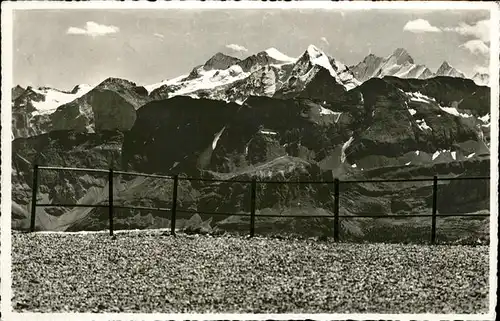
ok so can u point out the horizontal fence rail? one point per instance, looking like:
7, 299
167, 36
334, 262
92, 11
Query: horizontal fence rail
72, 205
253, 183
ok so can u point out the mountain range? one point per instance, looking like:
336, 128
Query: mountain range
268, 73
268, 116
400, 64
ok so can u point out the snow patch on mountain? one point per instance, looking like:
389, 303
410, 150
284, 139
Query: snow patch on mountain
326, 111
217, 137
421, 98
276, 54
418, 97
406, 71
267, 132
208, 79
344, 147
453, 111
438, 153
319, 58
485, 118
54, 98
167, 82
435, 155
240, 101
422, 125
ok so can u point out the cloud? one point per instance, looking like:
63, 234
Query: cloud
159, 35
477, 47
325, 40
236, 47
93, 29
420, 26
480, 30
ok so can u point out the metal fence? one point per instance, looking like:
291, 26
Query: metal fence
173, 210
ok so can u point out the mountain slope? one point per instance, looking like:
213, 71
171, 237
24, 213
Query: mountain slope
109, 105
32, 108
481, 79
17, 91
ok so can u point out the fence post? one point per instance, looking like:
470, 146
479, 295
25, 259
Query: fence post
434, 209
33, 197
252, 207
174, 205
336, 193
110, 200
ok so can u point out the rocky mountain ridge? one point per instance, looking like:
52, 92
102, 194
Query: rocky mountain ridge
481, 79
446, 70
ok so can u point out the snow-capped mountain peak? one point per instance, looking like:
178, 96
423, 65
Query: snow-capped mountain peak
314, 52
445, 66
447, 70
319, 58
276, 54
310, 63
400, 56
220, 61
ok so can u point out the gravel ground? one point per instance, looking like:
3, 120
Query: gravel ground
150, 273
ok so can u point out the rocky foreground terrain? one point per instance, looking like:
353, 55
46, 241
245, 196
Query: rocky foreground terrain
148, 273
269, 117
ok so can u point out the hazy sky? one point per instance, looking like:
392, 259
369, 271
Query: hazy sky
62, 48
